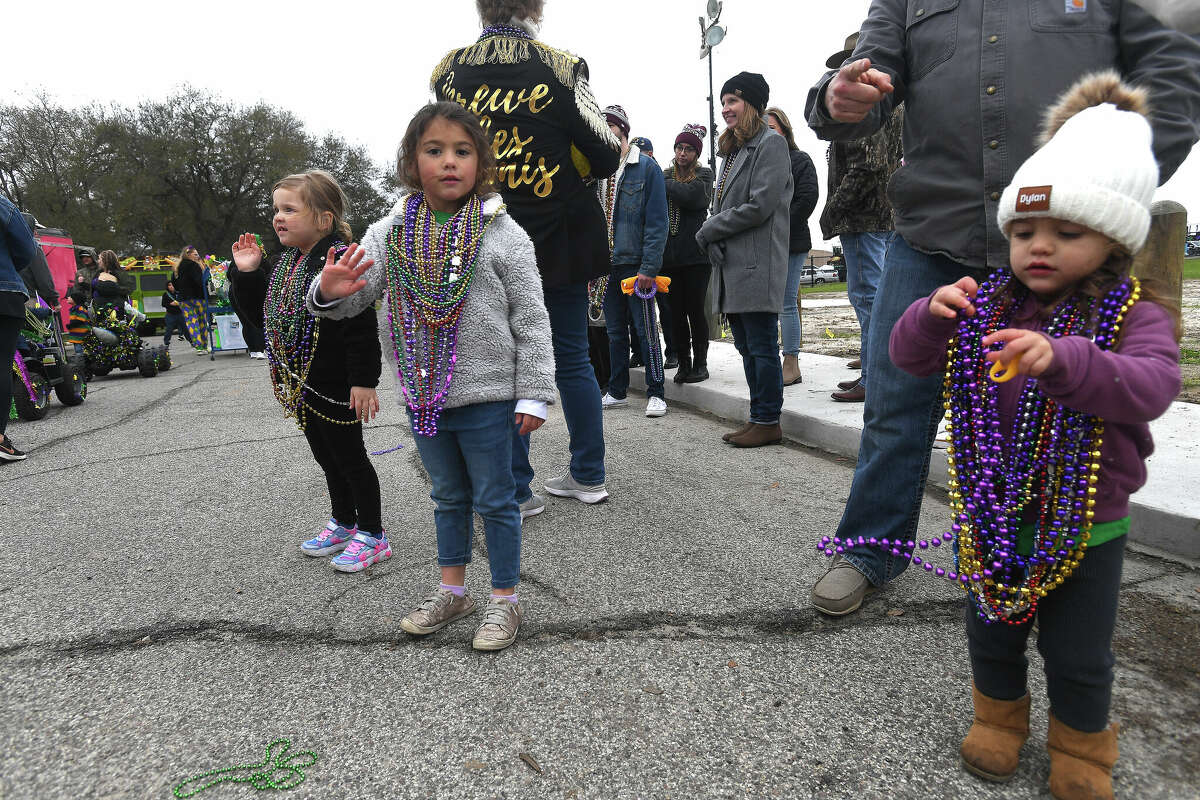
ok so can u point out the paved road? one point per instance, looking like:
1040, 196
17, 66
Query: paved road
158, 621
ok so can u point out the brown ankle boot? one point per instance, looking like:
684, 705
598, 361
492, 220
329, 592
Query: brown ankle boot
758, 435
1081, 763
725, 437
791, 370
992, 749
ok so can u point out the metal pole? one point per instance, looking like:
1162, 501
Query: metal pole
712, 120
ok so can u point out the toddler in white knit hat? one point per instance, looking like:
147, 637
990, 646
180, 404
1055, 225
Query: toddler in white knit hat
1042, 467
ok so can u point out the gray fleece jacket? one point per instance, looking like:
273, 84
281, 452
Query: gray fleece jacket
504, 349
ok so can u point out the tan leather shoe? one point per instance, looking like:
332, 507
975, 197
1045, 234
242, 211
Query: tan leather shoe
725, 437
758, 435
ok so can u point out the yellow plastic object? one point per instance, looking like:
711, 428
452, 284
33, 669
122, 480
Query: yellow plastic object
663, 283
1002, 371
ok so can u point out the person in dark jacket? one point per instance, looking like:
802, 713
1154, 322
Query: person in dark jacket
804, 200
107, 296
173, 315
550, 140
189, 283
323, 371
16, 252
689, 192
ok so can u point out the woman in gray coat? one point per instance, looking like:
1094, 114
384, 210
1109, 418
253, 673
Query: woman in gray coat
747, 240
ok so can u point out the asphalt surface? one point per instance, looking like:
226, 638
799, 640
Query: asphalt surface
159, 622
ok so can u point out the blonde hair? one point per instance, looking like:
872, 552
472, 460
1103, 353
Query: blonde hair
320, 192
785, 126
749, 125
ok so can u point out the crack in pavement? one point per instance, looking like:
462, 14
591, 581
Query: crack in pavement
739, 626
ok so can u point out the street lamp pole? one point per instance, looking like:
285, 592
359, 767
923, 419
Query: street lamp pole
711, 35
712, 119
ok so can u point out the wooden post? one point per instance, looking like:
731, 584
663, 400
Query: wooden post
1161, 260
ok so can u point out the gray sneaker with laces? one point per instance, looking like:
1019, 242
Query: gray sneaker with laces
566, 486
437, 611
532, 507
501, 620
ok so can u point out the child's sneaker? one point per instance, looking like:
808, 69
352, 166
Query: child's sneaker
501, 621
9, 451
437, 611
331, 540
362, 551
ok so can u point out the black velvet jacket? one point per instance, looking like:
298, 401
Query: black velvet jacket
550, 140
687, 208
348, 351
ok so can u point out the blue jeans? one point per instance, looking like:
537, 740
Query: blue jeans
865, 254
619, 310
577, 391
900, 419
172, 323
789, 320
756, 337
469, 463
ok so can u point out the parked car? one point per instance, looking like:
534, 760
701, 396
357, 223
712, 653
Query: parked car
1191, 248
813, 276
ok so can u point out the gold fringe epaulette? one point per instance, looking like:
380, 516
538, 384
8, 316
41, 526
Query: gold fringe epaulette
508, 50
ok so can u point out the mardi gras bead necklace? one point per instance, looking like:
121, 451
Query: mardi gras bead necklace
429, 273
672, 206
505, 30
725, 168
1047, 467
596, 289
278, 771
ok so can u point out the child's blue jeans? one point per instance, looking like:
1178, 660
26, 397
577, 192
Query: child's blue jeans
469, 463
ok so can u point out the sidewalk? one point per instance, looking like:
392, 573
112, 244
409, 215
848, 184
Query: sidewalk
1165, 515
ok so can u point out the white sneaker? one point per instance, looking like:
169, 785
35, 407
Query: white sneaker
656, 407
608, 401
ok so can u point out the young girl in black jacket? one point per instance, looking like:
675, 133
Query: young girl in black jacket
324, 372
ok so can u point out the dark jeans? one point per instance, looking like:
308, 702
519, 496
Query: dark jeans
619, 310
172, 323
756, 337
469, 465
689, 323
577, 390
339, 449
1075, 630
9, 328
900, 418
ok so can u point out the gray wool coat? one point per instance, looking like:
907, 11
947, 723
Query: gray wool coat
504, 350
748, 234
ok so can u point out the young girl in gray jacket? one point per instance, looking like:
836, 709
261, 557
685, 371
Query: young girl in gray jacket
470, 339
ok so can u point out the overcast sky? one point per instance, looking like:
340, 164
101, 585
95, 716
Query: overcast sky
360, 69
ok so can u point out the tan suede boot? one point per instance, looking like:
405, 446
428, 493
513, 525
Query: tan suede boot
725, 437
1081, 763
758, 435
791, 370
992, 749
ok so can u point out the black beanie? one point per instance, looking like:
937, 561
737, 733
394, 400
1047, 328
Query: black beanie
751, 87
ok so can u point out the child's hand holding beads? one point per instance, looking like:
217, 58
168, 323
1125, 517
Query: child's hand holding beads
1026, 352
344, 277
948, 301
246, 255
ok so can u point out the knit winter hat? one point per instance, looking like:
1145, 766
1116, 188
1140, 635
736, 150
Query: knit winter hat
693, 135
643, 144
751, 87
1095, 166
615, 115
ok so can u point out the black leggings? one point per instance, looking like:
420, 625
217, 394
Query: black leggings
1075, 630
689, 288
9, 328
339, 449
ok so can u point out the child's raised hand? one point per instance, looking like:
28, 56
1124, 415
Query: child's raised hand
344, 277
1025, 352
246, 255
364, 403
949, 300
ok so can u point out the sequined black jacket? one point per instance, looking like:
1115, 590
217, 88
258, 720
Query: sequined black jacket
550, 141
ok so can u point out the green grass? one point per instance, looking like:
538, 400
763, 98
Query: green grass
1189, 356
1191, 268
841, 287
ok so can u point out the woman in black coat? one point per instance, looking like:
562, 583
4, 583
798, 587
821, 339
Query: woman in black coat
804, 200
689, 192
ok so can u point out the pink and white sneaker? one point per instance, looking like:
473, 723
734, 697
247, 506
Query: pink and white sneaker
362, 551
332, 539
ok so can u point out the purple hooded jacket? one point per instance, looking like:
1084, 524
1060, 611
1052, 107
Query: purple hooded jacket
1126, 387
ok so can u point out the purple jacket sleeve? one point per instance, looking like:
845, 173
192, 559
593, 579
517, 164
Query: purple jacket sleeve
919, 339
1136, 382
